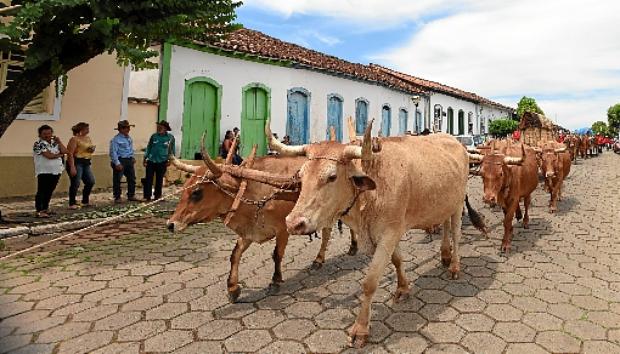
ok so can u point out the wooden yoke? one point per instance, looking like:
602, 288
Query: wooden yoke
244, 184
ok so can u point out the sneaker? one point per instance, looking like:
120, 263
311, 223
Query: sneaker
42, 214
74, 207
133, 199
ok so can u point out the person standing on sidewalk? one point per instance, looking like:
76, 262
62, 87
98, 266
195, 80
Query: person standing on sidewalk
122, 157
79, 153
48, 166
161, 144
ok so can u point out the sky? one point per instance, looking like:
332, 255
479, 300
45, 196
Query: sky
564, 53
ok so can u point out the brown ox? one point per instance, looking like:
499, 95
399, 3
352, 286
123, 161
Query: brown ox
506, 181
211, 193
584, 146
555, 166
412, 182
572, 143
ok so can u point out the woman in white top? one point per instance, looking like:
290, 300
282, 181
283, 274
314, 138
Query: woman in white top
48, 166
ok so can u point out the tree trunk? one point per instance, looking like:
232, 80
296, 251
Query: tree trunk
32, 81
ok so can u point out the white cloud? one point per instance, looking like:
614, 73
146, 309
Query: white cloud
380, 13
511, 48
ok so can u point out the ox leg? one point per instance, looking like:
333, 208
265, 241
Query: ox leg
320, 258
278, 254
526, 218
446, 249
358, 333
553, 205
455, 264
518, 214
234, 290
508, 216
353, 247
402, 290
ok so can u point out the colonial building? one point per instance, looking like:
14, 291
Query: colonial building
250, 77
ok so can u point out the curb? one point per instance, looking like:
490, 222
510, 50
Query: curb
47, 229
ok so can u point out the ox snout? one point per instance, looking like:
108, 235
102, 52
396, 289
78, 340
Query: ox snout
298, 225
490, 200
175, 226
550, 174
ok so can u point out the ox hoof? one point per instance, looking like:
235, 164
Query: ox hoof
505, 249
233, 295
316, 265
446, 261
352, 250
401, 295
273, 289
526, 226
358, 336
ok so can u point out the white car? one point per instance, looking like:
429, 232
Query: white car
467, 141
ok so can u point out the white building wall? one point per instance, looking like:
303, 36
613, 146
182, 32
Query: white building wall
456, 104
233, 74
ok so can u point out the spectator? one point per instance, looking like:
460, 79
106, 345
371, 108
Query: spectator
79, 153
160, 146
122, 161
227, 145
48, 166
286, 140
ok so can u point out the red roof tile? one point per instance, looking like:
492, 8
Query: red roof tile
439, 87
259, 44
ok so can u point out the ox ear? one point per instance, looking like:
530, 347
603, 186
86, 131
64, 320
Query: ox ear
363, 183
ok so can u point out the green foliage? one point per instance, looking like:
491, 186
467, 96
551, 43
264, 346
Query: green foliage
50, 28
600, 127
502, 127
528, 104
613, 119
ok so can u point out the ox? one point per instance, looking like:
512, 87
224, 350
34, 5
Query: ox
584, 146
211, 192
573, 142
406, 182
555, 166
506, 181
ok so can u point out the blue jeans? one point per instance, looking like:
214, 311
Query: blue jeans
130, 175
84, 174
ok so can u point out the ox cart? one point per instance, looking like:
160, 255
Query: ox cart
537, 129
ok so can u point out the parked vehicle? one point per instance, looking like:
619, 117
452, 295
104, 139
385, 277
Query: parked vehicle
467, 141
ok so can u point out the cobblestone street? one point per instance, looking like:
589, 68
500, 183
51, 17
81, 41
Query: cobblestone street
130, 288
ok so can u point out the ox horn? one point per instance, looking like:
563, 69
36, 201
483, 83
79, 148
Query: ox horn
473, 151
182, 166
475, 157
363, 152
286, 150
537, 149
212, 166
231, 152
558, 150
509, 160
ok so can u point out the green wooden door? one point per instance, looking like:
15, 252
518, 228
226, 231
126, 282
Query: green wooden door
254, 115
201, 112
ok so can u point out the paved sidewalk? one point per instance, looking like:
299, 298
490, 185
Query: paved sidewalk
131, 287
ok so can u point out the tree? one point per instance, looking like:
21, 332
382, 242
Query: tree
527, 104
613, 119
600, 127
502, 127
59, 35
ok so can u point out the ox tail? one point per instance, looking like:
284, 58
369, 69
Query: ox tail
340, 226
476, 219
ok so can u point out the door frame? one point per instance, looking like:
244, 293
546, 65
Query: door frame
340, 119
244, 93
357, 100
218, 109
403, 109
389, 110
306, 93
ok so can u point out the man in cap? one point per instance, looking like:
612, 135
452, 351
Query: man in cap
160, 146
122, 161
